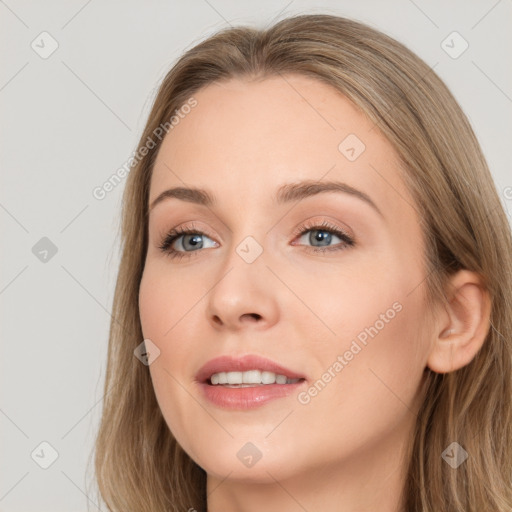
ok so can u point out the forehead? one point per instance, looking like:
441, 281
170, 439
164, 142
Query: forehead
245, 138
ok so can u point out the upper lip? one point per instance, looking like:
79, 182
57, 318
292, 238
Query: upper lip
241, 364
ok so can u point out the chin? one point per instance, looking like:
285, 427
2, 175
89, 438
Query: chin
247, 461
260, 473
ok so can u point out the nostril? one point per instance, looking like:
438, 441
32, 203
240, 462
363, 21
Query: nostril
254, 316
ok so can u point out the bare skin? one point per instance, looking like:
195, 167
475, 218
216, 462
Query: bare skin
344, 448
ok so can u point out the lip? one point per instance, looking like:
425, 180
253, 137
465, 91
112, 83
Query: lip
244, 398
242, 364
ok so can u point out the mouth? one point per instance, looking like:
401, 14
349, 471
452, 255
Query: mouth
250, 378
247, 382
248, 370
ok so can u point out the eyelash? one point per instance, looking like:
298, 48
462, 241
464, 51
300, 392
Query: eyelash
176, 233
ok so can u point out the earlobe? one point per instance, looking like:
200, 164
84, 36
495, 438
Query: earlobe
463, 324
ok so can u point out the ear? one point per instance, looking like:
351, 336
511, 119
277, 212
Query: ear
462, 324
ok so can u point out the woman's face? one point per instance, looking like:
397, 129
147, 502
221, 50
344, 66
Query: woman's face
325, 280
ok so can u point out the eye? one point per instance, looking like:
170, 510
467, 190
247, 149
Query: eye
186, 242
321, 236
180, 241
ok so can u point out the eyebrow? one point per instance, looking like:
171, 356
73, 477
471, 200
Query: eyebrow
285, 193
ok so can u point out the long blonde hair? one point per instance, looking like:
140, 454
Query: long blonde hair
139, 464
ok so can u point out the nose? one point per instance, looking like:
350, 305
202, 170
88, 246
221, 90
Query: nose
243, 296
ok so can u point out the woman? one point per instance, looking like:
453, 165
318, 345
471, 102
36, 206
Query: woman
316, 258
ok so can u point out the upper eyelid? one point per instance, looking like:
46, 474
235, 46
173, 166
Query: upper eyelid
303, 227
314, 223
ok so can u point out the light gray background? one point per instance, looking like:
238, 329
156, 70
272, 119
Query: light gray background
70, 120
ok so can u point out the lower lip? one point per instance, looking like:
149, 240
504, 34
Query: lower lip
249, 397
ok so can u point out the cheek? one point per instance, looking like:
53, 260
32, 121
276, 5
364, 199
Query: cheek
154, 305
165, 310
372, 333
164, 299
367, 390
372, 368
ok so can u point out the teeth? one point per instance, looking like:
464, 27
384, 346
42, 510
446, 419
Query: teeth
281, 379
250, 377
234, 377
268, 378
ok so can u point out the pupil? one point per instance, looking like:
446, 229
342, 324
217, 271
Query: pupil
321, 236
194, 240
